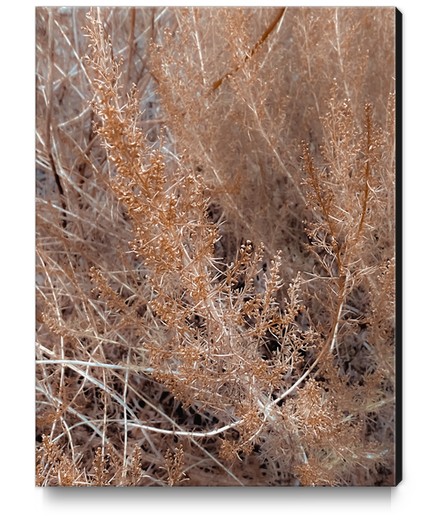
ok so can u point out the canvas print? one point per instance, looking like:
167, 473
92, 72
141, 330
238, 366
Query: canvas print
216, 246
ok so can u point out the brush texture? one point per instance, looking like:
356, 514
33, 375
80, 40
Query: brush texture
215, 246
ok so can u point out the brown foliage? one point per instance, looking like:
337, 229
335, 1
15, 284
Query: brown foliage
204, 272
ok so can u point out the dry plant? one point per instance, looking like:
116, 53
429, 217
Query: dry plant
215, 246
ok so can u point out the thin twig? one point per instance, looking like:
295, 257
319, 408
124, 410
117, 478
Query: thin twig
260, 41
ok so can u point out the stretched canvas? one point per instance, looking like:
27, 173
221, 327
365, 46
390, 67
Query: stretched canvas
216, 246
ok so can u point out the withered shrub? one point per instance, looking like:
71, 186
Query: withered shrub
215, 246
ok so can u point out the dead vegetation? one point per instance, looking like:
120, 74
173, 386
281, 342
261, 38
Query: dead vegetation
215, 246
